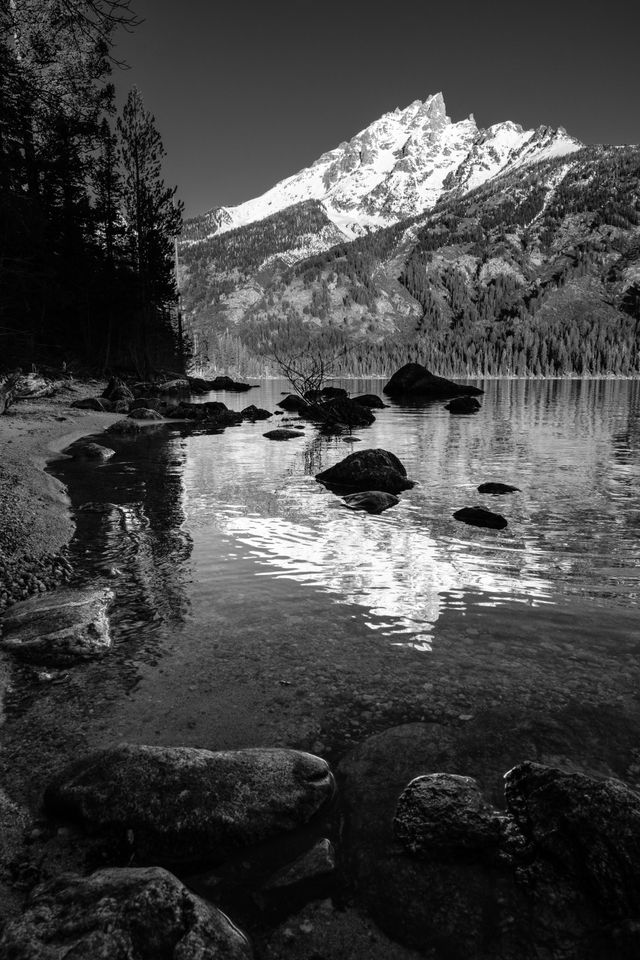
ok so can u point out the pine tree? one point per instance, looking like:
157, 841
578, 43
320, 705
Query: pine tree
153, 218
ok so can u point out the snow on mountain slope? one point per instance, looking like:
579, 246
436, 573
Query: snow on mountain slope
400, 166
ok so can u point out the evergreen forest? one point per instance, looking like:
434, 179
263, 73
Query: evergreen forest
87, 224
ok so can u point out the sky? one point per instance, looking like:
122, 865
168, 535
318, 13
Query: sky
246, 93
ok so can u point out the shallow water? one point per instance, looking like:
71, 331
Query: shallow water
253, 608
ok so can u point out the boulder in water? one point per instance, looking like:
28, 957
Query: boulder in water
254, 413
414, 380
497, 488
281, 433
183, 804
292, 403
371, 469
479, 517
87, 450
463, 405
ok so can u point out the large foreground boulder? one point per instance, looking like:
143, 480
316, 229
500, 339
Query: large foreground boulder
590, 828
121, 914
414, 380
182, 804
60, 627
371, 469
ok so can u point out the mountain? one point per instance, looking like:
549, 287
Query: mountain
396, 168
527, 262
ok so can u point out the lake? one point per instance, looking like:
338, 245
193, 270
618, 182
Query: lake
255, 609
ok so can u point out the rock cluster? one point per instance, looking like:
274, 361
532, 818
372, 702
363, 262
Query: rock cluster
414, 380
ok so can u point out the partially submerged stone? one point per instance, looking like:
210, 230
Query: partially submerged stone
255, 413
371, 469
479, 517
121, 914
60, 627
88, 450
445, 812
370, 400
292, 403
182, 804
497, 488
414, 380
463, 405
372, 501
282, 433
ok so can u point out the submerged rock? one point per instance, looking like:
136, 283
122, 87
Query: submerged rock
371, 469
182, 804
590, 828
497, 488
479, 517
443, 811
373, 501
121, 914
415, 380
61, 627
281, 433
463, 405
319, 861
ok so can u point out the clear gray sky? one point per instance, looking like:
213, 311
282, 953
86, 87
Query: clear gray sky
246, 93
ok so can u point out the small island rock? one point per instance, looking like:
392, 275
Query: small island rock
415, 380
121, 914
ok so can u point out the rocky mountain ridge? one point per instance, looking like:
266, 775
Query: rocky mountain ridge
397, 167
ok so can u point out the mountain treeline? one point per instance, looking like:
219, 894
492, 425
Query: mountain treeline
86, 220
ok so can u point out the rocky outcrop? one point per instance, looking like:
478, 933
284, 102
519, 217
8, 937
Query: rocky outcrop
121, 914
497, 488
463, 405
414, 380
371, 469
281, 433
60, 628
181, 804
211, 414
479, 517
372, 501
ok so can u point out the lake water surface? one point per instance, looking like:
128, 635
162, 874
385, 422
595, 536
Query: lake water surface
253, 608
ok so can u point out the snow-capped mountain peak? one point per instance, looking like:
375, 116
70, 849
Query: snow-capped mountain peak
399, 166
